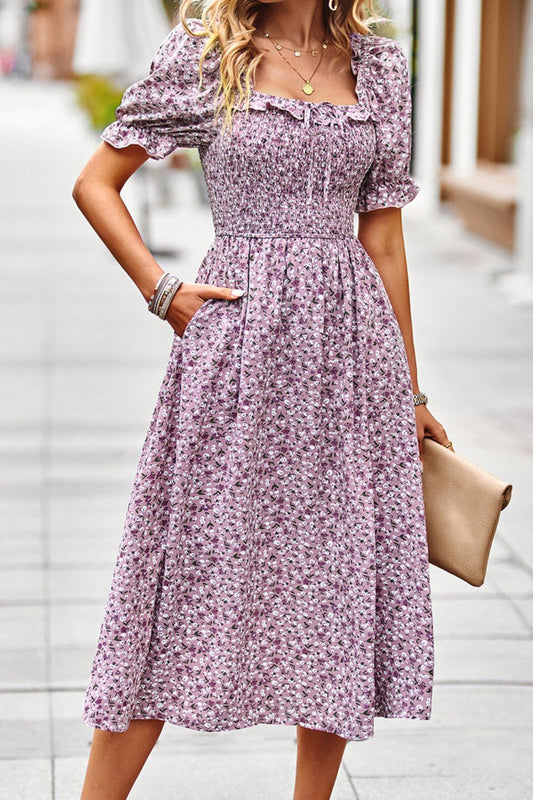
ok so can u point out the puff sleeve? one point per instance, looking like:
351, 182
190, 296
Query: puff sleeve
167, 109
386, 76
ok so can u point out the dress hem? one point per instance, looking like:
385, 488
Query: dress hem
190, 725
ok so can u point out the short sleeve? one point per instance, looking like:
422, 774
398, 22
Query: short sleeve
388, 181
167, 109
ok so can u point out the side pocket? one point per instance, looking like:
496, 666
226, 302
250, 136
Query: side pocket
194, 319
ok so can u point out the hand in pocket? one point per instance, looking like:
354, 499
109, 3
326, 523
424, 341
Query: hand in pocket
189, 298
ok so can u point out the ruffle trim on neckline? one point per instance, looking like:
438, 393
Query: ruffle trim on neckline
323, 112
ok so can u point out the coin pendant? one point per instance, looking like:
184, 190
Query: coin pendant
307, 88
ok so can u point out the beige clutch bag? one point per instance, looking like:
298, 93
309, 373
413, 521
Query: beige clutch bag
462, 504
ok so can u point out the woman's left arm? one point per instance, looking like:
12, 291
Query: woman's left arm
381, 234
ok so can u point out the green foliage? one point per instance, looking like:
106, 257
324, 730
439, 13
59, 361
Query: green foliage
99, 97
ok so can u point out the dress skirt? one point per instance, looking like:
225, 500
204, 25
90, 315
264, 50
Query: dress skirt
274, 566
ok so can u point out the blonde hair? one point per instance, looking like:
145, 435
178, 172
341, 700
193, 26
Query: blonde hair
229, 24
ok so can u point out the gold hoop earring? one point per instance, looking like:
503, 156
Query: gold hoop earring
333, 7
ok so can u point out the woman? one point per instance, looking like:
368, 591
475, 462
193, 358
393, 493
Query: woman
273, 567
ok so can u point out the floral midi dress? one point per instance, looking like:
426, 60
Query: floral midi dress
273, 566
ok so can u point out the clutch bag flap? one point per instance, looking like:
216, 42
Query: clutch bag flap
462, 506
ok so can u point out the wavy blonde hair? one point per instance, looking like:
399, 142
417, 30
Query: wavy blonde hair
229, 24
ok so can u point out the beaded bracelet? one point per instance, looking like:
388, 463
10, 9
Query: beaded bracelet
163, 294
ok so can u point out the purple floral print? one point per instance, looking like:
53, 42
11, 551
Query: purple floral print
273, 566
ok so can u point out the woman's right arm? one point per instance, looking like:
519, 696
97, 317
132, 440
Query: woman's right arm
96, 192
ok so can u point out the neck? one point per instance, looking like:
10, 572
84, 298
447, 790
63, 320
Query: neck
299, 22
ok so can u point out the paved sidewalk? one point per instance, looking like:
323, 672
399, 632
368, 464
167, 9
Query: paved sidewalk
81, 366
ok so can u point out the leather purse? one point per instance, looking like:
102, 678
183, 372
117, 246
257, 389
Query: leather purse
462, 505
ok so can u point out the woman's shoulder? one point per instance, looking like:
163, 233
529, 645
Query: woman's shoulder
179, 54
192, 32
184, 41
372, 46
380, 54
384, 66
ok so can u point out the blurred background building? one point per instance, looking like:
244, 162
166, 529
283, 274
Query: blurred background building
471, 79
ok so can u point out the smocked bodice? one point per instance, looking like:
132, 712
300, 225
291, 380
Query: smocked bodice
288, 168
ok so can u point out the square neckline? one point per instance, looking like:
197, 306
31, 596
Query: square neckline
300, 100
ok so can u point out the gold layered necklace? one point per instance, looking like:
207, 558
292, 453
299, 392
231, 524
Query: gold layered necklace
307, 87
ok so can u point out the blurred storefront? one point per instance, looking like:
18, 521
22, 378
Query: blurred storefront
52, 33
53, 27
468, 73
472, 82
479, 147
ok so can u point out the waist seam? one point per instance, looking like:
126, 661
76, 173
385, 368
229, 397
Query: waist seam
294, 235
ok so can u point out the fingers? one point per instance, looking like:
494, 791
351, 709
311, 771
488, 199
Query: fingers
439, 434
206, 292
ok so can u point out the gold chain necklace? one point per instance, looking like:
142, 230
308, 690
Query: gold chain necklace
296, 53
307, 87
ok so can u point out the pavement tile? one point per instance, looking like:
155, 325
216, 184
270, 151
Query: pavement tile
22, 627
481, 708
22, 397
512, 578
17, 585
525, 606
473, 787
90, 515
22, 669
24, 725
74, 626
19, 519
24, 706
471, 618
25, 739
71, 738
70, 667
444, 764
67, 705
80, 585
19, 474
20, 551
483, 660
98, 392
26, 779
444, 584
67, 551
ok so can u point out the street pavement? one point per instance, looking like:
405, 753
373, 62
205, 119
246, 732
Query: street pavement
82, 362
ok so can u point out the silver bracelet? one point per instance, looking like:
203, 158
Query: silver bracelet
156, 287
167, 300
163, 294
420, 398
